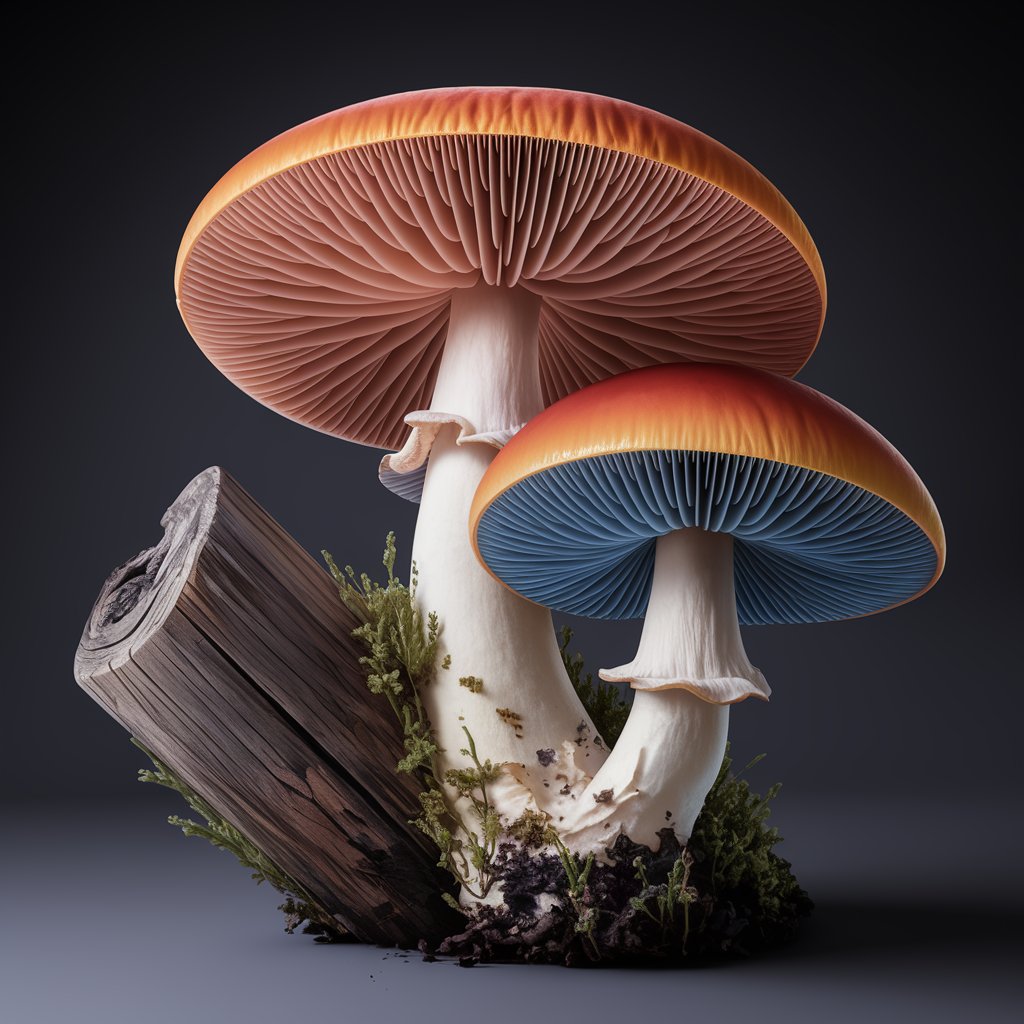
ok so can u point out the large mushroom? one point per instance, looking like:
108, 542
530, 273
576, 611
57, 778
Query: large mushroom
428, 271
701, 497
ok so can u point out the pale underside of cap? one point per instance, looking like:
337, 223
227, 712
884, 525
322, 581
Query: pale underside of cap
322, 287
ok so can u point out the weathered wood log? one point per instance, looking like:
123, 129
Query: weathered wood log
225, 650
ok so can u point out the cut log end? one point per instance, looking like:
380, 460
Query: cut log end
225, 650
138, 595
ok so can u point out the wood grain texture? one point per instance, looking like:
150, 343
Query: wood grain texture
225, 650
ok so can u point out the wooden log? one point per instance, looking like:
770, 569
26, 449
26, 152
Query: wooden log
225, 650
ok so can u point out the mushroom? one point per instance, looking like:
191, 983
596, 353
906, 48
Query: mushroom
428, 271
703, 497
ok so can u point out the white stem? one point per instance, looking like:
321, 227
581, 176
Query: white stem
489, 373
657, 776
689, 666
691, 636
489, 376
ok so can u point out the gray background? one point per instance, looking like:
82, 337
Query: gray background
895, 735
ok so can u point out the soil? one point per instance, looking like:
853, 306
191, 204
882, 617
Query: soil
606, 925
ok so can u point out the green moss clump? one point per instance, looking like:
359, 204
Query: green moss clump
736, 847
400, 661
725, 892
607, 710
298, 906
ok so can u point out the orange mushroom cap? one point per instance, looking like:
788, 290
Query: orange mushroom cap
316, 273
829, 520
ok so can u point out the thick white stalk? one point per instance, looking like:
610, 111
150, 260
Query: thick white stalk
691, 635
689, 666
489, 373
489, 377
657, 776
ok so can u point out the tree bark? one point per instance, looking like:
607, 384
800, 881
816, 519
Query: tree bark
225, 650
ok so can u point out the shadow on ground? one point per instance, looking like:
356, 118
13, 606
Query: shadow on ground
842, 928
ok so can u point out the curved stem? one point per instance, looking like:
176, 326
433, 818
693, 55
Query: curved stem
657, 776
689, 666
489, 376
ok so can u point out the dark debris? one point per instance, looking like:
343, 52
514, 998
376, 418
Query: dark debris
723, 924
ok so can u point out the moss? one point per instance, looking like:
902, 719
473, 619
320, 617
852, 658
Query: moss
737, 857
532, 829
606, 708
399, 661
725, 893
298, 906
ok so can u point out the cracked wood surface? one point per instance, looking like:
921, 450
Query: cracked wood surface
225, 650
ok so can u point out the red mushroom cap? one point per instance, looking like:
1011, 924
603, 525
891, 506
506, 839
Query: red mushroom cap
316, 274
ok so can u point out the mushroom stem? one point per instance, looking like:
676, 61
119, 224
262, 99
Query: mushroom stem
489, 376
489, 372
689, 665
691, 635
656, 777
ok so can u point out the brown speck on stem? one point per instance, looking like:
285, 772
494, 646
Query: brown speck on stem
547, 757
603, 797
511, 718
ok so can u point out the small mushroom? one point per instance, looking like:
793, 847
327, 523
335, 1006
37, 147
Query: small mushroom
701, 497
428, 271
